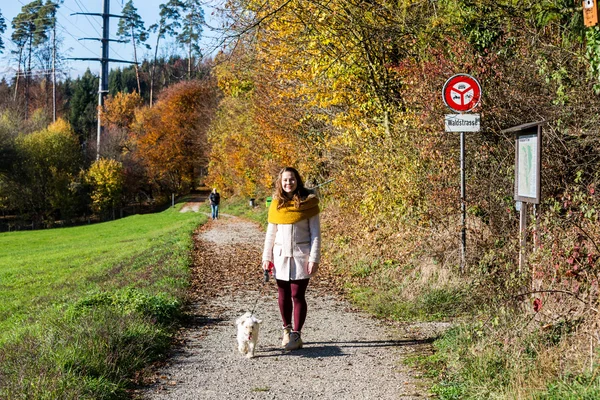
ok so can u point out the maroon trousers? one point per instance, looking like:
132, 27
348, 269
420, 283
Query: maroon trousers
292, 300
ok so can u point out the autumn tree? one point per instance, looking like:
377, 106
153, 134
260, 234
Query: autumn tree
118, 114
237, 162
42, 181
119, 110
171, 136
322, 83
105, 177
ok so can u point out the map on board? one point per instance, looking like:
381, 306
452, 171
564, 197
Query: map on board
527, 168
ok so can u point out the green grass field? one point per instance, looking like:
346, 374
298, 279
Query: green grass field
77, 282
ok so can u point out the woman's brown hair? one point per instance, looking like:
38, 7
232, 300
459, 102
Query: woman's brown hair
300, 194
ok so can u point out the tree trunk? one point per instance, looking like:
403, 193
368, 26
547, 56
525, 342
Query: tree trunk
154, 67
54, 73
18, 73
137, 71
28, 77
190, 61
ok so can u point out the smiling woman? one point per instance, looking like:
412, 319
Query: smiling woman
292, 250
288, 182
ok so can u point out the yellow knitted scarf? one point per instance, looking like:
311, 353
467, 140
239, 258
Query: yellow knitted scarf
289, 214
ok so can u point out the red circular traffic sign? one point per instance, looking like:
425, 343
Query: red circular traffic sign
461, 92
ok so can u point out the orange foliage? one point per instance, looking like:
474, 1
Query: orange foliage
170, 137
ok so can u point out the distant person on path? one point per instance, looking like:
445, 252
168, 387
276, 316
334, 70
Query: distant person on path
293, 249
215, 199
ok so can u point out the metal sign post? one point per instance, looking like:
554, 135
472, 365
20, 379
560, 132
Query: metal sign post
462, 93
463, 206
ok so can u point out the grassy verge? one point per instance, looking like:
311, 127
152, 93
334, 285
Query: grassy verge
472, 362
81, 309
386, 288
494, 351
500, 348
240, 207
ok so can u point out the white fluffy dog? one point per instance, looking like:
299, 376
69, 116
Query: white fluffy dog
247, 333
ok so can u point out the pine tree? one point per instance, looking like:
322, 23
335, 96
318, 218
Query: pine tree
191, 31
30, 28
170, 15
84, 102
2, 30
46, 24
131, 27
115, 81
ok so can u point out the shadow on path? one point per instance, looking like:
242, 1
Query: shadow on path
336, 349
200, 321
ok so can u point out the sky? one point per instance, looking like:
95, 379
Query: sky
73, 27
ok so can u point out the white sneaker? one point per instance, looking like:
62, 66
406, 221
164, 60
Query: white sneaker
286, 335
295, 342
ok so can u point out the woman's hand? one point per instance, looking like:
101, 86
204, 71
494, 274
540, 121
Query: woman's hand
266, 265
313, 267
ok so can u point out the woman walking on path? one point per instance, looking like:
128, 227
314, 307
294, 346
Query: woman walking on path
293, 248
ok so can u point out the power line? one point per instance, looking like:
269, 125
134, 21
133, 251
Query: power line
68, 19
84, 10
65, 30
114, 51
121, 1
40, 72
75, 11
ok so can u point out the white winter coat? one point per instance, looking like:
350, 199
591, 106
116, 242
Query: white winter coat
290, 247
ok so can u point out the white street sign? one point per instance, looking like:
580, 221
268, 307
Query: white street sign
463, 123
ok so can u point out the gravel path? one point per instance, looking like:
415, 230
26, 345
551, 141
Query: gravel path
347, 355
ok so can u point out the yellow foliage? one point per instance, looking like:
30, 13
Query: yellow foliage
322, 100
106, 179
120, 109
61, 126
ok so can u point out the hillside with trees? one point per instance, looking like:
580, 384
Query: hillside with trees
349, 92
